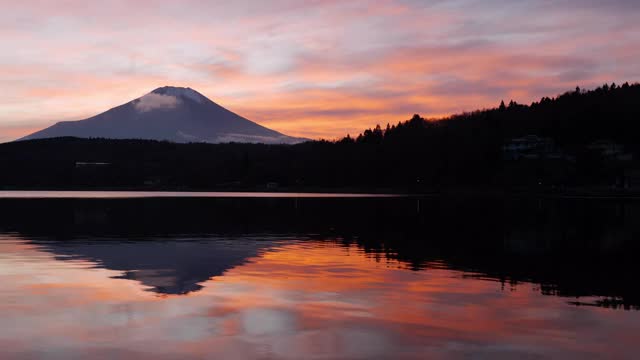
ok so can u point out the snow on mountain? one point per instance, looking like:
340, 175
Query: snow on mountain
180, 92
169, 113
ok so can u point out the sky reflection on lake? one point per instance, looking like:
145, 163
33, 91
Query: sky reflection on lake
325, 278
289, 299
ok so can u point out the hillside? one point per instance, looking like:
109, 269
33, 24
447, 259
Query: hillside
580, 139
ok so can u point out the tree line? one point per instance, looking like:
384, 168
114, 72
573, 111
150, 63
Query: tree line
464, 150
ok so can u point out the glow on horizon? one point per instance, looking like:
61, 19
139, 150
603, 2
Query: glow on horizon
315, 68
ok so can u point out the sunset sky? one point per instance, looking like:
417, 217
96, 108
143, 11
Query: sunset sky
307, 68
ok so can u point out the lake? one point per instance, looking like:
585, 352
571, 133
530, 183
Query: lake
138, 276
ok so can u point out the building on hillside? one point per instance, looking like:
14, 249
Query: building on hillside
610, 150
528, 147
631, 179
83, 164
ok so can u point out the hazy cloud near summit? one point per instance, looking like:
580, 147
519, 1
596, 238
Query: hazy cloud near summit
154, 101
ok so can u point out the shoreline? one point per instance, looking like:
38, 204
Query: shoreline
575, 193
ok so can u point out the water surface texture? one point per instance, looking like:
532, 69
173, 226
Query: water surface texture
44, 194
325, 278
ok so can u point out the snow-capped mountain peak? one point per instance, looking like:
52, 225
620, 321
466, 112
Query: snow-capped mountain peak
178, 114
181, 92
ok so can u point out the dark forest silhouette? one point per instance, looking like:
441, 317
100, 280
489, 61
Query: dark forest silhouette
589, 140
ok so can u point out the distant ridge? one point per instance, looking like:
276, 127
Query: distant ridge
169, 113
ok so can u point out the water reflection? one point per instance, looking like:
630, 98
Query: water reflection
292, 300
164, 265
571, 248
338, 278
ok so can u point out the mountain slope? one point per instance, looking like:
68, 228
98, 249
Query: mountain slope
168, 113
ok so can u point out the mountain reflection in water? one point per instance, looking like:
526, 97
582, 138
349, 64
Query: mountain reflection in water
339, 278
166, 266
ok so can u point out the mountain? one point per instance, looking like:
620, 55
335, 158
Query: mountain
169, 113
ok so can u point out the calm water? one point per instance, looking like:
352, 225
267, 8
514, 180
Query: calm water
326, 278
35, 194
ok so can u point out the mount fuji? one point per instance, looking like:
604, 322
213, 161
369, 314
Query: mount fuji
169, 113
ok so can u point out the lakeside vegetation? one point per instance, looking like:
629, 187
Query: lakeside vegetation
591, 139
